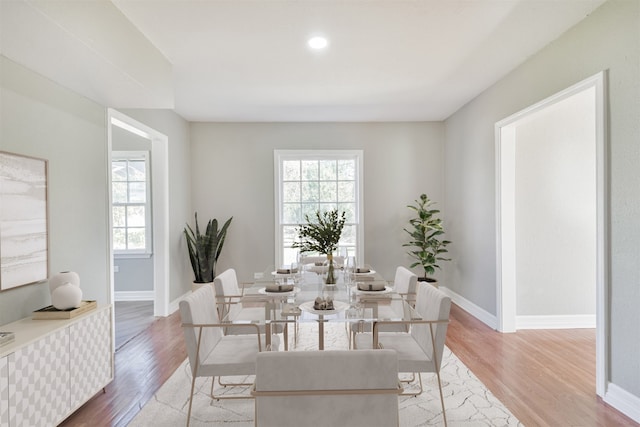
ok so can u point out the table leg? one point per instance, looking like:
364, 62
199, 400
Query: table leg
267, 336
321, 334
286, 336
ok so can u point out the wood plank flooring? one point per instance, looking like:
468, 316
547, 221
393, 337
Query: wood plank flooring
546, 378
132, 318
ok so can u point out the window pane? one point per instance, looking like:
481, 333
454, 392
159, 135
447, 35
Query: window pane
291, 213
289, 235
119, 239
291, 170
348, 237
350, 210
119, 192
136, 238
119, 216
137, 192
328, 192
309, 209
291, 192
346, 191
290, 256
135, 216
137, 170
346, 169
309, 170
310, 192
326, 207
328, 170
119, 170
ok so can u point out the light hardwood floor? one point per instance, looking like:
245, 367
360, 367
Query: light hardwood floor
546, 378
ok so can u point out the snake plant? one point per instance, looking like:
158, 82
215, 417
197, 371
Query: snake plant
204, 249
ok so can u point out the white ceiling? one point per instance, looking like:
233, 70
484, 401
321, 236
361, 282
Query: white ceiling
247, 60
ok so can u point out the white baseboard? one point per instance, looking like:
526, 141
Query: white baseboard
623, 401
134, 295
478, 312
578, 321
174, 305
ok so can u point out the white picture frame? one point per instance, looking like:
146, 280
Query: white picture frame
24, 236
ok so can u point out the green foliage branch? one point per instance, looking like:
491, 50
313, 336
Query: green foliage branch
323, 234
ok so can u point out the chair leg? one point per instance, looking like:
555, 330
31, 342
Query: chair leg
414, 394
444, 415
223, 397
193, 385
230, 384
410, 380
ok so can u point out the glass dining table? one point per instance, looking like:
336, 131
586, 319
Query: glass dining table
357, 299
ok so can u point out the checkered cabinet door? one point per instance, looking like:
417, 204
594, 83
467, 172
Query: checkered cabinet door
41, 394
91, 367
4, 391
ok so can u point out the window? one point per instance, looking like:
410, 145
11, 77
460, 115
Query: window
311, 180
131, 206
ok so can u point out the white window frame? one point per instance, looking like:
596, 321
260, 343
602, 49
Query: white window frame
282, 155
148, 251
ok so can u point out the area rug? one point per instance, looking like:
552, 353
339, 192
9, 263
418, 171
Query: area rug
467, 400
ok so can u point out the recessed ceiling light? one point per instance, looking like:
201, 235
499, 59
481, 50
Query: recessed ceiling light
318, 42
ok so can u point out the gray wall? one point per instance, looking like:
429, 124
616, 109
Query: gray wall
609, 39
232, 175
43, 119
132, 273
178, 133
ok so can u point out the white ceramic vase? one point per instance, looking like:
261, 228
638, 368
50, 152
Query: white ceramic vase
62, 278
66, 296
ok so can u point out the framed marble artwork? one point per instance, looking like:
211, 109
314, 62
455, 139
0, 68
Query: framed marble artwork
24, 237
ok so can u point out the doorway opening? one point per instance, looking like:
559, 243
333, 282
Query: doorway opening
520, 197
159, 218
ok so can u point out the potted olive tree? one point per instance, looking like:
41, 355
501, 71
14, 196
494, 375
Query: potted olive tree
204, 248
322, 237
426, 243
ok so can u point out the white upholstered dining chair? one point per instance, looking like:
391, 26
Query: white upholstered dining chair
421, 349
404, 284
211, 353
228, 295
327, 388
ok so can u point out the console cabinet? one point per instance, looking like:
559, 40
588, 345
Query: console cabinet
53, 367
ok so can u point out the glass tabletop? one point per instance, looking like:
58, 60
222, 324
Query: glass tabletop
302, 296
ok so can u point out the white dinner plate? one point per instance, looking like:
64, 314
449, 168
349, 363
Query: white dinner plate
275, 273
337, 305
264, 291
369, 273
386, 290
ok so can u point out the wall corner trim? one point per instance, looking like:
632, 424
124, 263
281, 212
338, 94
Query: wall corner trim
576, 321
476, 311
133, 295
623, 401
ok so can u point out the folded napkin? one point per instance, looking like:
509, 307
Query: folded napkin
365, 278
363, 270
371, 286
275, 287
286, 270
